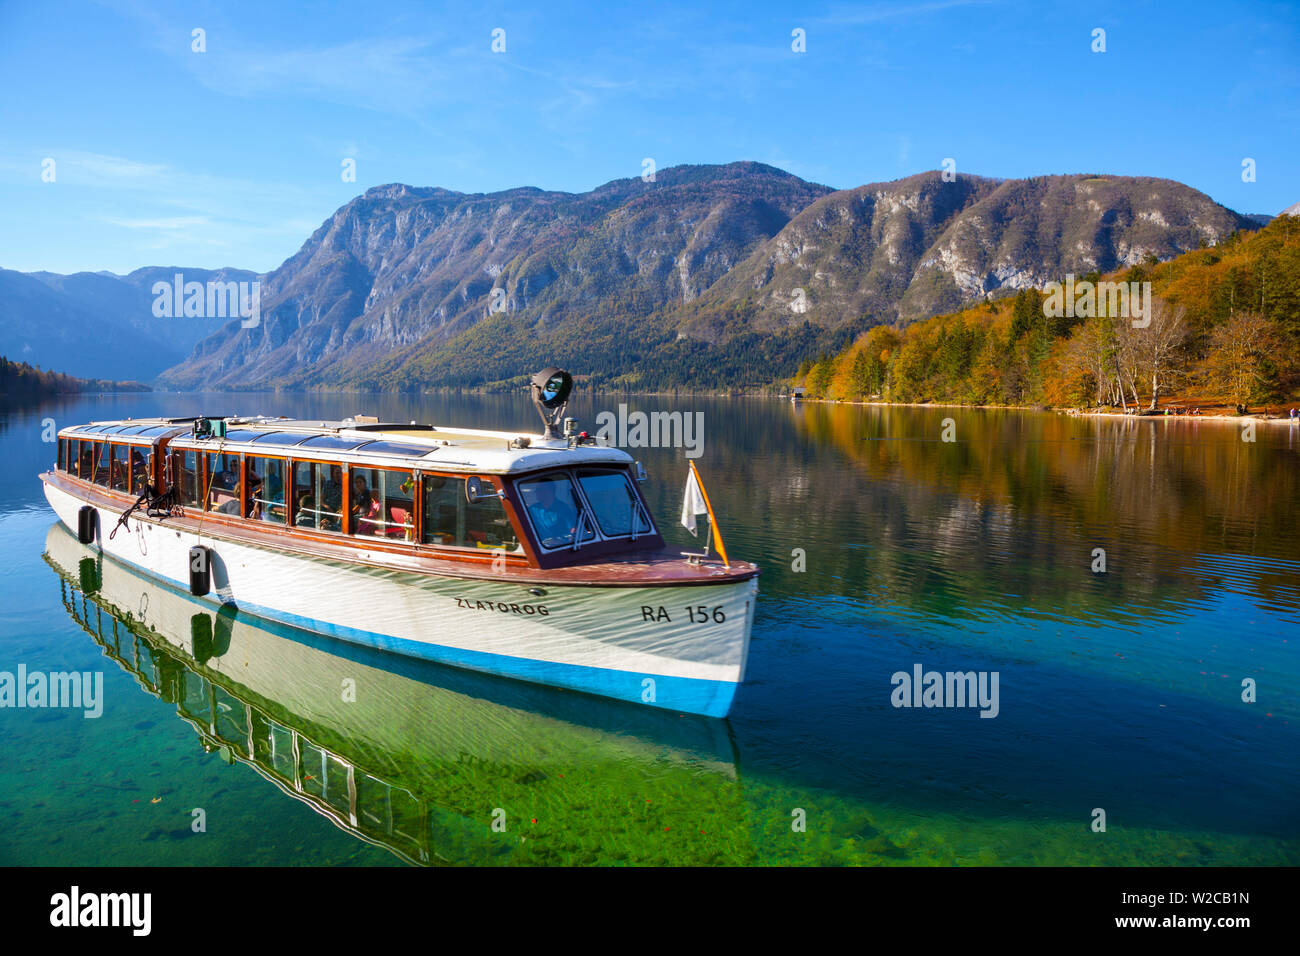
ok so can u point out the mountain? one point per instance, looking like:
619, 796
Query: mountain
400, 273
692, 279
100, 325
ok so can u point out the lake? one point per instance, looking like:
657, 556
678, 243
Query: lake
1128, 582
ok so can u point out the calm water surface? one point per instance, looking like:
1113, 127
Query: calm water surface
1119, 690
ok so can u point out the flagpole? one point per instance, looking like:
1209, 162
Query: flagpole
713, 523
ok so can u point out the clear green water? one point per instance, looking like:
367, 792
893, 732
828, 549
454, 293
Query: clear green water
1119, 691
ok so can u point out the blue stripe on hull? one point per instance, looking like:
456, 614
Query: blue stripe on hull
687, 694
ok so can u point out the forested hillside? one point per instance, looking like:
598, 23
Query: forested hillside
1224, 328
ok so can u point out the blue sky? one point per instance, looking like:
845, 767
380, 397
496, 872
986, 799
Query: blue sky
233, 156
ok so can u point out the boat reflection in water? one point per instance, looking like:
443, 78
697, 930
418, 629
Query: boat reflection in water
412, 756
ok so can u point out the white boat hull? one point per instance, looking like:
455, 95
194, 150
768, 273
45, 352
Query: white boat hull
679, 647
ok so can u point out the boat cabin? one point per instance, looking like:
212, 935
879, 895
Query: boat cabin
466, 495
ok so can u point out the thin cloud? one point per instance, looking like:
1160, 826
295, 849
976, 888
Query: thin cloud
79, 168
398, 75
175, 222
882, 12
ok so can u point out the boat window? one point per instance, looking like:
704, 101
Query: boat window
132, 429
157, 429
331, 441
103, 458
617, 508
555, 510
451, 521
119, 474
318, 496
265, 483
223, 482
140, 469
86, 460
383, 503
187, 470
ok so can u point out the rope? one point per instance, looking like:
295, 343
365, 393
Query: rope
154, 499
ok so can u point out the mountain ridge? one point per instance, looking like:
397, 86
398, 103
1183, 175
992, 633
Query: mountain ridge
695, 278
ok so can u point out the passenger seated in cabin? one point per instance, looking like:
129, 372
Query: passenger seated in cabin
254, 483
139, 471
367, 512
370, 518
361, 496
555, 518
332, 496
306, 512
227, 479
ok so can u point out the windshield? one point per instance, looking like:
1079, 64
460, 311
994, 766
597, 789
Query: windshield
556, 510
615, 503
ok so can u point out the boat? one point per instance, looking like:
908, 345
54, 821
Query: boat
529, 556
438, 765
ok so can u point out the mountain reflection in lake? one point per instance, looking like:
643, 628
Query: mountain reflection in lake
1120, 690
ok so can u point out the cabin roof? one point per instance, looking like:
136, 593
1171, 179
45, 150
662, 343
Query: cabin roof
367, 442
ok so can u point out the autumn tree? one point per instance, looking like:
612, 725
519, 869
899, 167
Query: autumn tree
1157, 348
1241, 358
819, 379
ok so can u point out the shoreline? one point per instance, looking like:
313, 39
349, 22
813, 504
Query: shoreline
761, 394
1072, 412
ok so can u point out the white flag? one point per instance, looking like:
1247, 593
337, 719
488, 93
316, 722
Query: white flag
693, 504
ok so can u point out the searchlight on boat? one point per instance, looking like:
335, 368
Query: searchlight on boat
551, 388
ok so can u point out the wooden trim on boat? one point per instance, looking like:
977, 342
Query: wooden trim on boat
649, 567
